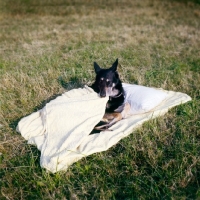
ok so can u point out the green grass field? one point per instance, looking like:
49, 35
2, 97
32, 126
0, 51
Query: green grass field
49, 46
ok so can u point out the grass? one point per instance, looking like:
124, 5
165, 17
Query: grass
48, 47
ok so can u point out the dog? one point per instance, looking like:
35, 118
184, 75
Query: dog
108, 84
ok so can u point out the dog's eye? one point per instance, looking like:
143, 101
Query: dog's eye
108, 82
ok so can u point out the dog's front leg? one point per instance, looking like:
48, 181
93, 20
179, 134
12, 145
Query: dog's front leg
117, 117
109, 119
112, 118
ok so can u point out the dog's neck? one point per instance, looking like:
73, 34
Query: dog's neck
116, 96
119, 95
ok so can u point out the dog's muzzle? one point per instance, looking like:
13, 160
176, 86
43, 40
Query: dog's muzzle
102, 94
107, 91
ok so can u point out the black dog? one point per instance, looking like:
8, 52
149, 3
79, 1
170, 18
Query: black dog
108, 83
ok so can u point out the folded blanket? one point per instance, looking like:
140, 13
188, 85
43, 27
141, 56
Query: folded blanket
61, 129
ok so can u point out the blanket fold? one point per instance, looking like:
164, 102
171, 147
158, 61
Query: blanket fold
61, 129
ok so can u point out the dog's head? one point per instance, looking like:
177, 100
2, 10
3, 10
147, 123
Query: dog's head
106, 80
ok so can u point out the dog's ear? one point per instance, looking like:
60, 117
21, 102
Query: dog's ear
97, 68
114, 66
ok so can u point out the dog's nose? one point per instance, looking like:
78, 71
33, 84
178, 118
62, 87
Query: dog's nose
102, 94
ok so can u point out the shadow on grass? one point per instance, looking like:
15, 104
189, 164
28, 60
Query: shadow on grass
21, 169
187, 1
72, 84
